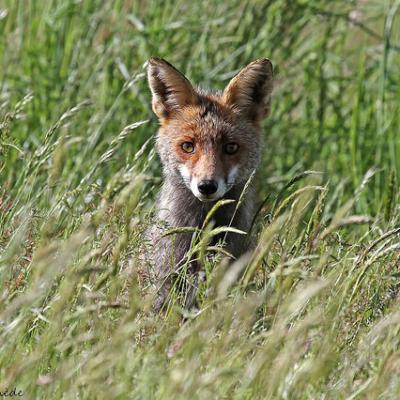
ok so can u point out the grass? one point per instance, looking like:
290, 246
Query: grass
311, 313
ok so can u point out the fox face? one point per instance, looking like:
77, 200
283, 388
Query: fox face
210, 140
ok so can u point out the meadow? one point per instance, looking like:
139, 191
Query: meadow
311, 313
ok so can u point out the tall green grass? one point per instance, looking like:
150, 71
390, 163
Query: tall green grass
310, 313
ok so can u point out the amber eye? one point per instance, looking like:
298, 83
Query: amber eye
187, 147
231, 148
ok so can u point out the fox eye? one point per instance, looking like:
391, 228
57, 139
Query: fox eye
187, 147
231, 148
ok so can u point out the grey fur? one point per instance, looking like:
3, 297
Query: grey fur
177, 207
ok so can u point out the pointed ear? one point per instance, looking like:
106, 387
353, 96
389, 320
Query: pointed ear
249, 92
170, 89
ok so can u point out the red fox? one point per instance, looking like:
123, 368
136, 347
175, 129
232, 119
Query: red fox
209, 143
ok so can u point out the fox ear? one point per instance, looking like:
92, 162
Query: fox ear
249, 92
170, 88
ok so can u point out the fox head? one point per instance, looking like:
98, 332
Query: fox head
211, 140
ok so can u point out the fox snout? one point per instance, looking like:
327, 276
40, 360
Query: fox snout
207, 188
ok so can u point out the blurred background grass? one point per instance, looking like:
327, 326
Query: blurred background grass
315, 315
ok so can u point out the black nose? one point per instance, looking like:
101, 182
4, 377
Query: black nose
207, 187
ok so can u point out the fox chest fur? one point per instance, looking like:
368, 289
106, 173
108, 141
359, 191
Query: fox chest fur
209, 143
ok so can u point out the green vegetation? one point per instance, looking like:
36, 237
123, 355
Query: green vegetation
312, 313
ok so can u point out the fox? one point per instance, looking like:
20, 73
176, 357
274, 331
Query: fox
209, 143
